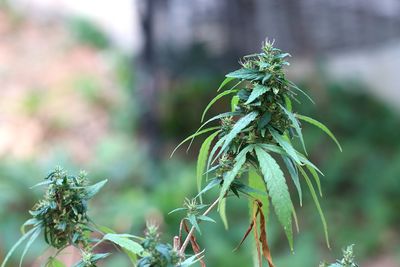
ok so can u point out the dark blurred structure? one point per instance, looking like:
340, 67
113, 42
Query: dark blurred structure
200, 39
303, 27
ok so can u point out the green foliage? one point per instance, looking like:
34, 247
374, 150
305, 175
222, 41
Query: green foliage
278, 191
321, 126
62, 218
88, 33
62, 214
348, 259
202, 158
260, 126
124, 241
315, 198
159, 254
262, 121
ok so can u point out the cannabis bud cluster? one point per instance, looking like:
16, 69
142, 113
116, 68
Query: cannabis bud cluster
348, 259
63, 211
158, 254
264, 92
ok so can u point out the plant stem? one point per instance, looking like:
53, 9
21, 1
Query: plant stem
187, 240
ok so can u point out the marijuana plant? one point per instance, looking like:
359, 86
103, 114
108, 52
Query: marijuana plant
242, 155
348, 259
260, 127
61, 217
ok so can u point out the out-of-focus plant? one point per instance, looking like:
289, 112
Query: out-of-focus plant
260, 127
86, 32
61, 217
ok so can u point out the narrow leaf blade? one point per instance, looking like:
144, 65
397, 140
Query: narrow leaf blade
289, 149
16, 245
215, 99
222, 212
321, 126
225, 82
295, 176
124, 242
318, 206
202, 159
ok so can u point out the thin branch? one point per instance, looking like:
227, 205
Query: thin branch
187, 240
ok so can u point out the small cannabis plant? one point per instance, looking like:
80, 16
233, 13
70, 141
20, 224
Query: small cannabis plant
244, 156
61, 217
347, 261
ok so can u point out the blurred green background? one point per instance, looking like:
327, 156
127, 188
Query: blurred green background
72, 95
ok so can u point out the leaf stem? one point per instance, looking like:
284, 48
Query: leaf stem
187, 240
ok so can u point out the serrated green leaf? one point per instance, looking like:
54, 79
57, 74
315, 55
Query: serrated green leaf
243, 94
316, 201
193, 221
289, 149
280, 151
321, 126
205, 218
209, 186
257, 91
240, 159
246, 74
92, 190
273, 148
266, 78
239, 126
296, 126
222, 212
283, 55
278, 191
215, 99
257, 182
264, 120
202, 159
192, 260
124, 242
296, 223
294, 175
